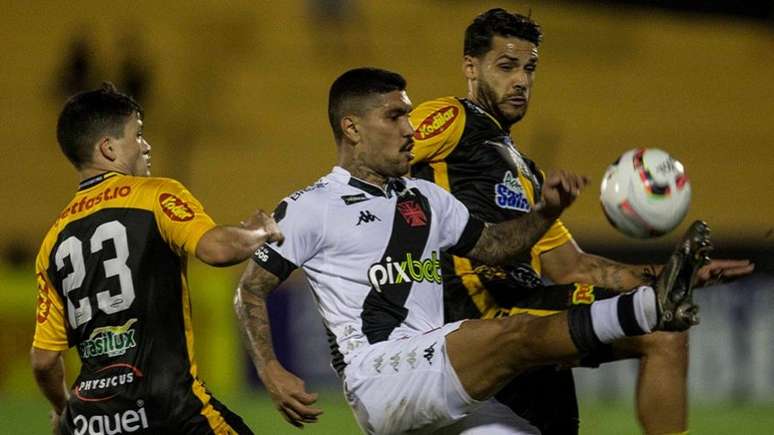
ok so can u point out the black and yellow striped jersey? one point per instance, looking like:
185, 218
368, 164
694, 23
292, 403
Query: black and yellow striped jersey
111, 276
462, 148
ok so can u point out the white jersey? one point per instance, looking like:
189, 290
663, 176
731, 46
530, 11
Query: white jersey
370, 255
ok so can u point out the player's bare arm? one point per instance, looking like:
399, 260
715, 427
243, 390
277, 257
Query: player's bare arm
286, 390
568, 263
48, 367
500, 243
226, 245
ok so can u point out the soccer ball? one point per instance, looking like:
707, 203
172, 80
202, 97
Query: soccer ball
645, 193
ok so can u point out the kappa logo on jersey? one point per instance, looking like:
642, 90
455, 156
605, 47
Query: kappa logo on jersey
175, 208
366, 217
510, 194
408, 270
109, 340
120, 422
412, 212
436, 122
109, 379
44, 300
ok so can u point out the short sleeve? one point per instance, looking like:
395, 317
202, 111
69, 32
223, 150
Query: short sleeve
438, 126
556, 236
302, 224
50, 327
181, 218
459, 230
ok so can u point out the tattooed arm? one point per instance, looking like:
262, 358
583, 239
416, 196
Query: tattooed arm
286, 390
501, 243
568, 264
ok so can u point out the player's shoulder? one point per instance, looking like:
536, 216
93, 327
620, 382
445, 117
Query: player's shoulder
433, 117
311, 197
156, 183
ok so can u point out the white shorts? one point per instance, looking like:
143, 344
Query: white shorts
409, 386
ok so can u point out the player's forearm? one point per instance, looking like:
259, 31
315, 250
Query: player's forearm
501, 243
603, 272
226, 245
250, 307
51, 381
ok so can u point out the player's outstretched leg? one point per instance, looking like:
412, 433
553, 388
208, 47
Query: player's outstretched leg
674, 286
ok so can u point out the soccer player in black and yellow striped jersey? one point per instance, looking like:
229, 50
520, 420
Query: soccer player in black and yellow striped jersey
111, 276
464, 145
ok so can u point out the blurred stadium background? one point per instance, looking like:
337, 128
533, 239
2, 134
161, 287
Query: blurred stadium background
235, 96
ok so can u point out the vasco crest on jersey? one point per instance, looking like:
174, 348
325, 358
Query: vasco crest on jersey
510, 194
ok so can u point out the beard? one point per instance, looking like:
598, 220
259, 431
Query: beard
489, 98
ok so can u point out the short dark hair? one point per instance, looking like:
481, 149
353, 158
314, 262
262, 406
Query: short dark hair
478, 35
348, 91
88, 115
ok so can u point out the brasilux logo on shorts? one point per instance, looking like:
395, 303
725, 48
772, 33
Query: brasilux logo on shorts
408, 270
109, 340
436, 122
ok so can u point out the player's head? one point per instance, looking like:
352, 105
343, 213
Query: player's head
500, 58
102, 129
368, 110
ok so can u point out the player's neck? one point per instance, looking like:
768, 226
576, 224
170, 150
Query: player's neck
502, 123
364, 173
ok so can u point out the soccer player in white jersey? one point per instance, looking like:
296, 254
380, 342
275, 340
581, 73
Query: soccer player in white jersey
368, 241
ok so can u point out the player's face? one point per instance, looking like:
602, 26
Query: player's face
387, 136
501, 80
133, 149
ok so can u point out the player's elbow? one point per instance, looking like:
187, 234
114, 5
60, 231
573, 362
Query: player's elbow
216, 249
43, 361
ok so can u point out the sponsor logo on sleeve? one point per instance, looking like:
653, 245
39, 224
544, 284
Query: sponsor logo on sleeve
437, 122
109, 340
107, 382
583, 294
510, 194
175, 208
44, 300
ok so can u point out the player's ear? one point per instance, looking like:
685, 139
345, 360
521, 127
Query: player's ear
106, 149
470, 67
349, 128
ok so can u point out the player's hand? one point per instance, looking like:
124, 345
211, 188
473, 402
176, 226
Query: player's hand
265, 227
289, 395
560, 189
723, 270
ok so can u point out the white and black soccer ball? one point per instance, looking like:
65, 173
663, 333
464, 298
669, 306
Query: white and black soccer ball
645, 193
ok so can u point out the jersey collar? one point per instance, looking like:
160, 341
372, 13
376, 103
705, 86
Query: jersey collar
395, 186
93, 181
